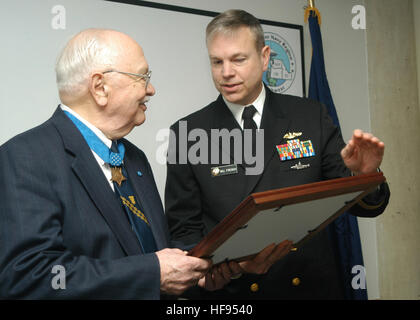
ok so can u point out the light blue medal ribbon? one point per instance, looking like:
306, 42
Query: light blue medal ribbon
96, 144
124, 191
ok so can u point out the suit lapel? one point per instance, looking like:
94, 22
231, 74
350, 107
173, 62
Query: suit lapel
144, 187
90, 174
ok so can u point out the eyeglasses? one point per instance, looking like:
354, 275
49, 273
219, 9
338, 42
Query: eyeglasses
146, 76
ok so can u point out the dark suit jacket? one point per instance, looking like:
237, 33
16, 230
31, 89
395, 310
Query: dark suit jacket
196, 201
56, 208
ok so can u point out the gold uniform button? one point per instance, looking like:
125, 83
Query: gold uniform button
254, 287
296, 281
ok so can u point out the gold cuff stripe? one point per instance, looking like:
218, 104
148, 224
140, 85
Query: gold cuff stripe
366, 206
133, 209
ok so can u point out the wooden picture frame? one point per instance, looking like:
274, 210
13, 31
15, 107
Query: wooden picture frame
324, 202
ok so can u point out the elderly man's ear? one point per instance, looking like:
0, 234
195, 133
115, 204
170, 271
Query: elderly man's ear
99, 89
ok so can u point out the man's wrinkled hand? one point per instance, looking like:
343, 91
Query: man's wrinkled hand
178, 271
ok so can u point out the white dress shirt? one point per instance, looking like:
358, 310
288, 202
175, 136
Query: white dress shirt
238, 109
106, 169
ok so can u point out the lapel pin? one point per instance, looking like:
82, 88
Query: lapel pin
139, 173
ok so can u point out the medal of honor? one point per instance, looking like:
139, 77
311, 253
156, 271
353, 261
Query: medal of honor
117, 175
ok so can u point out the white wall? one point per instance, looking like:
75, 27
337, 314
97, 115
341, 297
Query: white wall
27, 90
395, 114
416, 13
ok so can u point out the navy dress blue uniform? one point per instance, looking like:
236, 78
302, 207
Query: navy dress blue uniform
57, 208
195, 201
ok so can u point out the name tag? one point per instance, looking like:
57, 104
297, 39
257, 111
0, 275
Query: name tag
224, 170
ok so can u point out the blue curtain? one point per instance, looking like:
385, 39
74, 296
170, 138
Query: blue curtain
344, 231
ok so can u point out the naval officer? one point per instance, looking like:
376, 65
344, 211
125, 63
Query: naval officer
198, 197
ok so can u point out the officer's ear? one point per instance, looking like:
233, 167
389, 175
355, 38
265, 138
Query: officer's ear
265, 56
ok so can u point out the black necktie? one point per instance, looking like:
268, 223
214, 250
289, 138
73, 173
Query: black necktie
247, 115
249, 124
134, 210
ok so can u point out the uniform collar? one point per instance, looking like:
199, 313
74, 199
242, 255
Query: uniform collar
238, 109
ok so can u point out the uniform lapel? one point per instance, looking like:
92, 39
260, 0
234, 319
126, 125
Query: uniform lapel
86, 168
223, 119
275, 125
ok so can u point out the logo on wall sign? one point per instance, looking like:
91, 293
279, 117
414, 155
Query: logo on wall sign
281, 71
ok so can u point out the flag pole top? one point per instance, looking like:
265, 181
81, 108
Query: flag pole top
311, 9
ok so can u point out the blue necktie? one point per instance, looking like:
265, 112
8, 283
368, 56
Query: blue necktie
134, 210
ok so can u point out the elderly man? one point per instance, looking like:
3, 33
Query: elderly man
80, 214
197, 200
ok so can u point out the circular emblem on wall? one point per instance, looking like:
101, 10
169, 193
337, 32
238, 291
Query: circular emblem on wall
281, 71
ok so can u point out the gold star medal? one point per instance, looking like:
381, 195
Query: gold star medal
117, 175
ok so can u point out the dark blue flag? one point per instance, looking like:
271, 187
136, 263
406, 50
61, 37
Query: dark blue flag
344, 231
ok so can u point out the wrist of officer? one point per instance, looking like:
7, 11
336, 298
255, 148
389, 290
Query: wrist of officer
353, 174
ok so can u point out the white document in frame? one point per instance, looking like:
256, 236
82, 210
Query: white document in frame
290, 222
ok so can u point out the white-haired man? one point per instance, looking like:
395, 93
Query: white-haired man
79, 200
